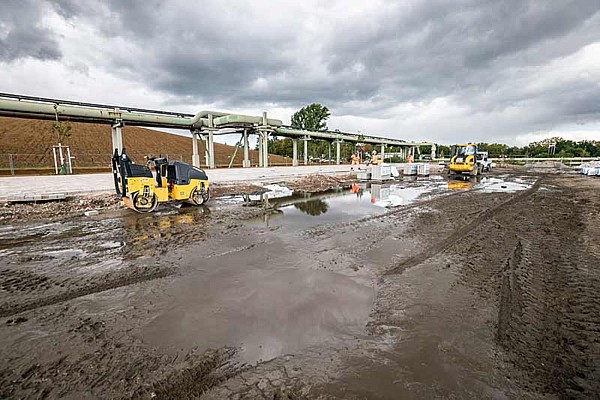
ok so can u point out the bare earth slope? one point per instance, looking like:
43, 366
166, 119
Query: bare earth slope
30, 141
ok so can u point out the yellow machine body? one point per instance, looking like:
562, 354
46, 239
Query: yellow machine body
464, 160
142, 188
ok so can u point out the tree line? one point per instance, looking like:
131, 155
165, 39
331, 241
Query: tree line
314, 118
551, 147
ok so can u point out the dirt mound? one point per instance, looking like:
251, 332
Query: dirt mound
319, 183
70, 207
548, 167
30, 144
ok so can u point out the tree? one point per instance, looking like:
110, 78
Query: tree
313, 207
494, 149
443, 150
282, 147
61, 131
311, 118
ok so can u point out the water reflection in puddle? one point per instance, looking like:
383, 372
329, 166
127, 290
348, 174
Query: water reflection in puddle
361, 199
490, 184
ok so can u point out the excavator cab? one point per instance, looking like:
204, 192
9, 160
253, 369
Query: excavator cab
464, 160
142, 187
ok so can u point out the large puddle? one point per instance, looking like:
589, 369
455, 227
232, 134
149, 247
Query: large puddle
363, 199
360, 200
265, 301
272, 298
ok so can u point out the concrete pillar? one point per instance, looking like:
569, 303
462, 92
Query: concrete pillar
260, 149
382, 152
265, 144
195, 155
246, 162
337, 152
294, 152
433, 149
211, 149
206, 156
265, 141
117, 137
306, 151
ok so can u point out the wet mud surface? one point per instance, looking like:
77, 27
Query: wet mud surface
414, 289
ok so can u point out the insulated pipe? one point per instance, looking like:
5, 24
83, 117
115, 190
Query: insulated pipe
41, 108
28, 109
350, 137
45, 109
236, 120
21, 97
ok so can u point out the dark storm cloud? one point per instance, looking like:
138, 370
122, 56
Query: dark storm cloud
21, 32
207, 51
459, 48
479, 54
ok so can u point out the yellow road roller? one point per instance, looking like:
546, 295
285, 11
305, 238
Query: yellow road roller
142, 187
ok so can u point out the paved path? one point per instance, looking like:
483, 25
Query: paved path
23, 188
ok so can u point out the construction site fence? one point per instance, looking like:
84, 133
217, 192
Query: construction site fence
569, 161
14, 163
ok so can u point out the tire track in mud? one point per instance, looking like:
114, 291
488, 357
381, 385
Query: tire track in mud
195, 378
549, 306
461, 232
98, 286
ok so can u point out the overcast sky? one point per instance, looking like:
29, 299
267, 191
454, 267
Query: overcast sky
446, 71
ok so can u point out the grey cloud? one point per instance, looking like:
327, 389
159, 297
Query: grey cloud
214, 51
461, 49
23, 35
479, 54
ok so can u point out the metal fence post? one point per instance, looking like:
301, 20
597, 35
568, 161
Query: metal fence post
11, 165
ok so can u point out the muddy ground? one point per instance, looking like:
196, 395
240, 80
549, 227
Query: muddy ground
76, 206
422, 289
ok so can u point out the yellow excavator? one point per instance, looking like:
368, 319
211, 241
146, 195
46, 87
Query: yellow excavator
142, 187
467, 159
